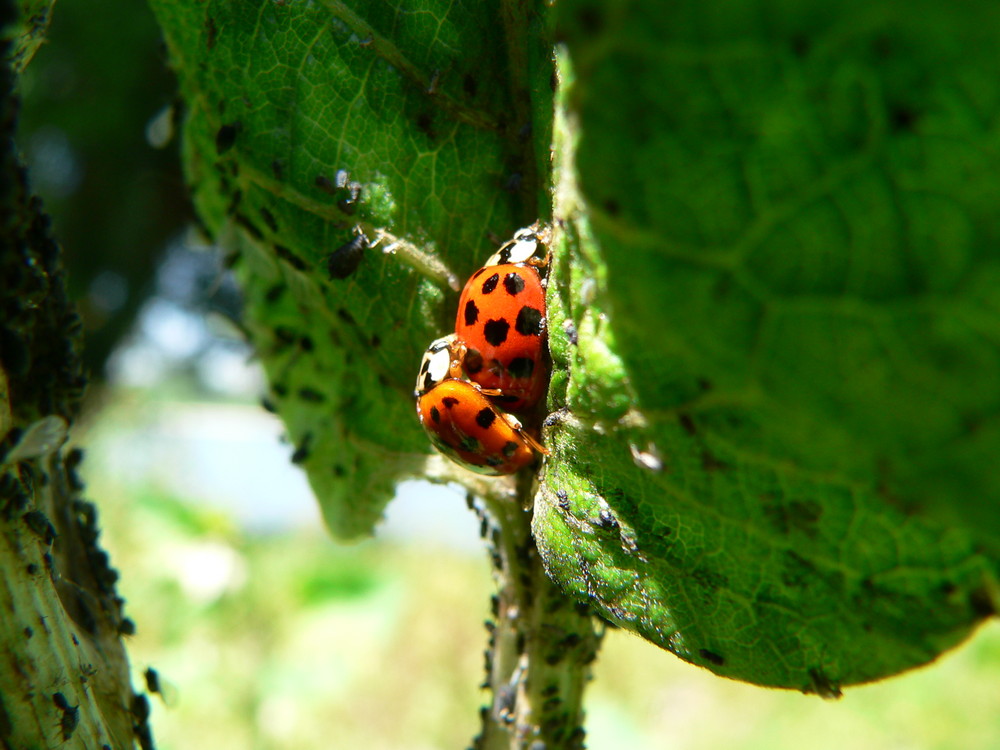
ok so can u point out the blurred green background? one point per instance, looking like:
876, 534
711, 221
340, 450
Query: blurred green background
269, 635
264, 632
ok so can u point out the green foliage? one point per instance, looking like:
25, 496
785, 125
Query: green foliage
772, 441
772, 319
41, 372
115, 201
415, 105
28, 32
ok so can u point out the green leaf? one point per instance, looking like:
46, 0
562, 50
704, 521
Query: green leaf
424, 106
775, 331
28, 33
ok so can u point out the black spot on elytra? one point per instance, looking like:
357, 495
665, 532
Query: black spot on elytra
495, 331
485, 417
509, 448
494, 461
225, 138
513, 283
491, 283
471, 313
529, 321
449, 402
521, 367
473, 362
470, 444
712, 657
435, 415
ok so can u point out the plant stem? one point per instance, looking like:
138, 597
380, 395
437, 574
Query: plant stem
542, 642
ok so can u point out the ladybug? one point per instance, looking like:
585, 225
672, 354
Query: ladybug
461, 421
501, 323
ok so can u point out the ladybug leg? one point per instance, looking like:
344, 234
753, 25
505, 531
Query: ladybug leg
534, 443
457, 357
515, 423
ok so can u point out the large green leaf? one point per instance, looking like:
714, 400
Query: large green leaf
773, 321
775, 326
426, 106
28, 33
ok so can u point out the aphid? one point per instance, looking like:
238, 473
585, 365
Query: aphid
345, 260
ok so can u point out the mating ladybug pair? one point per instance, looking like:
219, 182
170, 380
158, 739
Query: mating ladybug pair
493, 364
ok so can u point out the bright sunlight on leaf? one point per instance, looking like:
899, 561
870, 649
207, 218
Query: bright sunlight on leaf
773, 313
307, 120
775, 331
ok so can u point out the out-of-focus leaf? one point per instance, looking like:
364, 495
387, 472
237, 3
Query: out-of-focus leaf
114, 199
775, 331
28, 32
307, 119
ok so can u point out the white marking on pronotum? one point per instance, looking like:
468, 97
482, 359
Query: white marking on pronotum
521, 248
427, 264
436, 364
